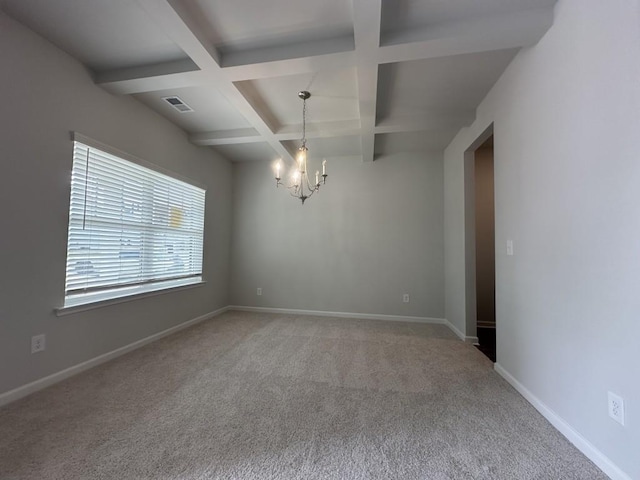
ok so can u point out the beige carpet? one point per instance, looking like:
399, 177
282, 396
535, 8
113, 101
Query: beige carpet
255, 396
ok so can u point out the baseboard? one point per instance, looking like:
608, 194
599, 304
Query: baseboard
49, 380
460, 335
581, 443
321, 313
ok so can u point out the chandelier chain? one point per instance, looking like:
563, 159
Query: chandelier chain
304, 122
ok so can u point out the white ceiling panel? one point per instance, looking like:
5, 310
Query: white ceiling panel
456, 83
104, 35
430, 141
211, 110
247, 24
248, 152
333, 96
398, 15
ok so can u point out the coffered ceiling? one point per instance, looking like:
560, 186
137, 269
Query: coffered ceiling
385, 76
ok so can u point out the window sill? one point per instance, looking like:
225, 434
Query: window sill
91, 304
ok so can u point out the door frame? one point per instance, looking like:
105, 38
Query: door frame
471, 331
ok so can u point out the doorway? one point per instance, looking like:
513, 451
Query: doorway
485, 262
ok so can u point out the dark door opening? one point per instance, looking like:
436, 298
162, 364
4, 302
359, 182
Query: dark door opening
485, 249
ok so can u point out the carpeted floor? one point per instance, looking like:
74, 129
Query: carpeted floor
255, 396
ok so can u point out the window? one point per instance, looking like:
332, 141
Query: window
131, 229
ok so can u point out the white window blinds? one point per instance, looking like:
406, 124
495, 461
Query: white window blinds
129, 226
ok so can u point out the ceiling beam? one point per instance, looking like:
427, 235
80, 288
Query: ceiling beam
340, 128
135, 80
157, 70
177, 74
366, 31
430, 121
226, 137
290, 66
291, 49
182, 28
498, 32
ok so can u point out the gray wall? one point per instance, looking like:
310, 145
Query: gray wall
46, 94
566, 117
374, 232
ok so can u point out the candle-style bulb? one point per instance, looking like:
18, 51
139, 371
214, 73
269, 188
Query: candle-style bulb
302, 154
278, 170
324, 167
317, 177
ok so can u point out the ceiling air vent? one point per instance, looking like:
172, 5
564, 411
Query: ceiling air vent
178, 104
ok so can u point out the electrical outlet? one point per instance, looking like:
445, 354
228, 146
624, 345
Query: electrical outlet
405, 298
509, 247
37, 343
259, 291
616, 408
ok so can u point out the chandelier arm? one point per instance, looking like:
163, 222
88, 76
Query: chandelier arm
313, 188
310, 186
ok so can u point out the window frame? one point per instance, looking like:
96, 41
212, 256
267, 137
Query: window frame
120, 293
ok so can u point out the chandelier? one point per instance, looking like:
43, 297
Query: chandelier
301, 187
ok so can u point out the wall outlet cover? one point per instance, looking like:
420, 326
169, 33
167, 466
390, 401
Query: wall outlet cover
616, 407
38, 343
